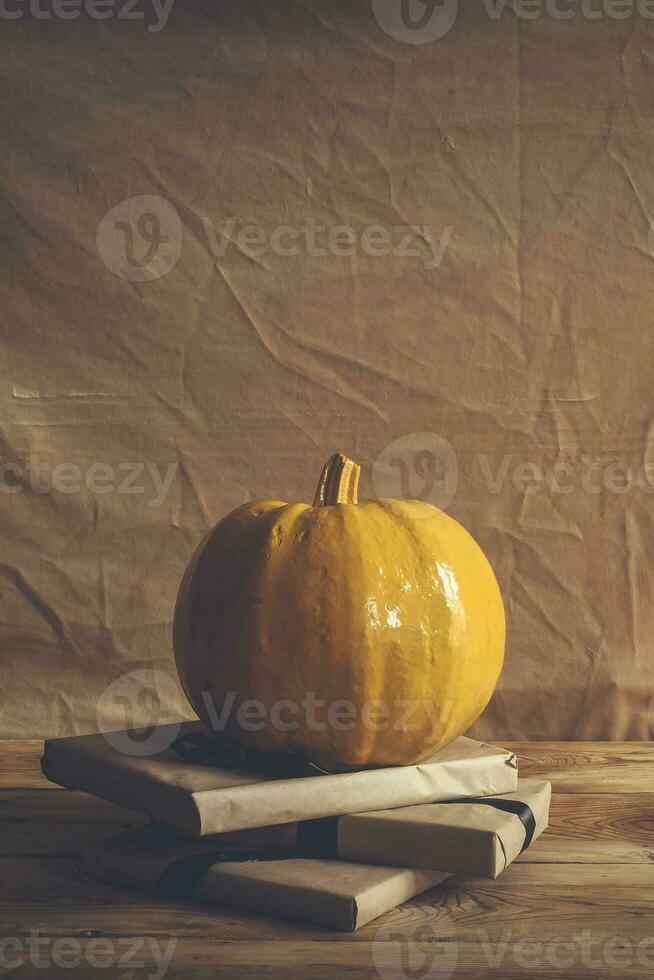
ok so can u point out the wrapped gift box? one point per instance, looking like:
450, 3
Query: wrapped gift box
205, 799
469, 837
474, 837
337, 894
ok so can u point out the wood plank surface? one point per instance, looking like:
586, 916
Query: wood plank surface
571, 767
586, 828
21, 754
20, 765
589, 767
578, 903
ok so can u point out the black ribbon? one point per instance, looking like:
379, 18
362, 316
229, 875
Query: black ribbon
318, 838
202, 750
315, 838
181, 879
519, 809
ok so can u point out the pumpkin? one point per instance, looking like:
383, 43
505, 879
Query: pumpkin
355, 634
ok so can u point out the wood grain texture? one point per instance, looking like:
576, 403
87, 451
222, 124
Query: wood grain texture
578, 903
589, 767
21, 754
25, 779
20, 765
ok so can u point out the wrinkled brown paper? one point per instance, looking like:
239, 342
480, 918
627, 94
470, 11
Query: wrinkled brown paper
338, 894
531, 139
465, 838
205, 799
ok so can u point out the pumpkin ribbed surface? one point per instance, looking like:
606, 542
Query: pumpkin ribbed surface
371, 633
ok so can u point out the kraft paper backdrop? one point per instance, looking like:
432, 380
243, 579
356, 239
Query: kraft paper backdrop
531, 341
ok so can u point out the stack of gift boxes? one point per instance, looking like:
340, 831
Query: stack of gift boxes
338, 849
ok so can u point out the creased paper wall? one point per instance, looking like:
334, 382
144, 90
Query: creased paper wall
216, 339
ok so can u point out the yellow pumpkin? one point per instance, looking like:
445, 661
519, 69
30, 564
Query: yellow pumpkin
352, 633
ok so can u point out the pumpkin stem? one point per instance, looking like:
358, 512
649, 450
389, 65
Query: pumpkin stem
338, 482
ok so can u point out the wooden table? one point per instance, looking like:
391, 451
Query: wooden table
579, 903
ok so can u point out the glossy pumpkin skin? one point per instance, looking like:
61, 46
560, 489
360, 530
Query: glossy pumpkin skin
384, 602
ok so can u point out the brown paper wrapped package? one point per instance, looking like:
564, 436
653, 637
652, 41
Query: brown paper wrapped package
472, 837
338, 894
207, 800
464, 838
